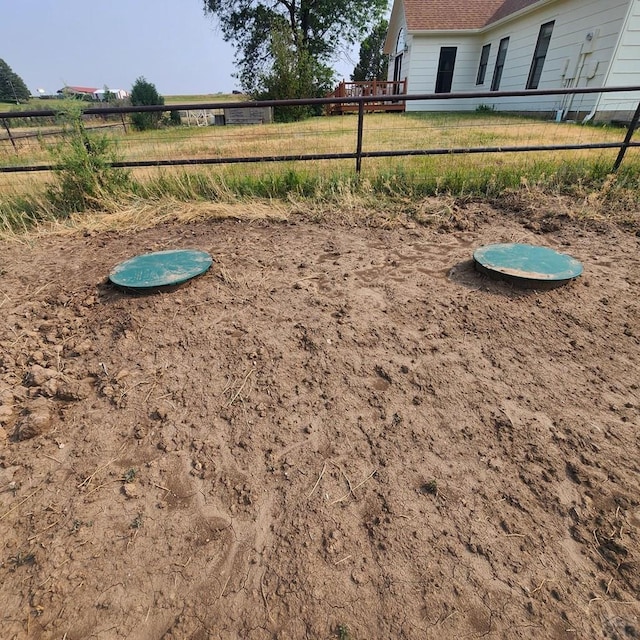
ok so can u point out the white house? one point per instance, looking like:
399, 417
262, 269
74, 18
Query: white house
443, 46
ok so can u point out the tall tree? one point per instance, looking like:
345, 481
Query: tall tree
12, 87
373, 62
318, 28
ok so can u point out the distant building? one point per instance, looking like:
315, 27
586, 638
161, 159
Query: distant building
80, 92
93, 93
118, 94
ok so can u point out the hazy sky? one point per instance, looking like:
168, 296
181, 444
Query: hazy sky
50, 43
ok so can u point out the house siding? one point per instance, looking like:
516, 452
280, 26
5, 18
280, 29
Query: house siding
624, 70
567, 63
423, 69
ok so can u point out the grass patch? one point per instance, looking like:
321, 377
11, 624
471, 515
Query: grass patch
86, 182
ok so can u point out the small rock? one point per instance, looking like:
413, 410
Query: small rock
38, 375
6, 396
72, 390
20, 393
49, 388
36, 421
38, 357
358, 576
131, 490
80, 348
6, 411
108, 391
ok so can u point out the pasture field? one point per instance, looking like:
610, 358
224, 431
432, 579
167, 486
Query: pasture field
479, 174
337, 134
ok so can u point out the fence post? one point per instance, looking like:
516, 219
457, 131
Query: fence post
13, 142
627, 139
360, 130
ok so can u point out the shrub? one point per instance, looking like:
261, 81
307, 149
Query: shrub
84, 179
143, 94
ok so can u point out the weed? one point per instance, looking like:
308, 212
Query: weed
137, 522
129, 476
78, 524
430, 487
343, 633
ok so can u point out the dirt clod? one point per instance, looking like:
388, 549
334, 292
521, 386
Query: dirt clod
37, 419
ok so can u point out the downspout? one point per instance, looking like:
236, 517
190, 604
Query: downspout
579, 67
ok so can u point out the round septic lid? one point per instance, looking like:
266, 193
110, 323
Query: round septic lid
527, 264
160, 269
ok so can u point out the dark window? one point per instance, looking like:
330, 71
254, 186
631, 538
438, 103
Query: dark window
484, 59
502, 56
542, 46
447, 62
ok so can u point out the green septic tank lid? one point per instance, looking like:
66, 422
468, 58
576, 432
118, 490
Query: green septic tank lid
160, 269
527, 264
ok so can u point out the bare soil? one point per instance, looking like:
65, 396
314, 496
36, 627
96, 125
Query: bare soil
339, 431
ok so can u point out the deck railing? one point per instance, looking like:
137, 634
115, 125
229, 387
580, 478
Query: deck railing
367, 89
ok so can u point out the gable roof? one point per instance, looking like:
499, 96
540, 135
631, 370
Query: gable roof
79, 89
455, 15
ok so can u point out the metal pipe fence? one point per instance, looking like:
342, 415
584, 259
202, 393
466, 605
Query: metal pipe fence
360, 150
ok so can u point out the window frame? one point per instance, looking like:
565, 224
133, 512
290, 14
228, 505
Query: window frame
444, 79
501, 58
484, 63
540, 54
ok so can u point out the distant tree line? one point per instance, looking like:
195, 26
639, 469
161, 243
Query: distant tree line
12, 87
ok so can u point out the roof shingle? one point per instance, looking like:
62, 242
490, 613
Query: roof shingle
427, 15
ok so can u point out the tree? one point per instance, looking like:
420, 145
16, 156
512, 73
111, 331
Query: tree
373, 62
144, 93
12, 87
319, 28
294, 74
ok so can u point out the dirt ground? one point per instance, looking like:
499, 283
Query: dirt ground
339, 431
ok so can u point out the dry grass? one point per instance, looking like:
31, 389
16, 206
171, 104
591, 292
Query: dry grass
383, 132
139, 215
388, 189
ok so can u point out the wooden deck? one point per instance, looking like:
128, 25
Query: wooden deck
369, 88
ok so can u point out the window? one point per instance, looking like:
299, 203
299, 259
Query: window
484, 59
542, 46
447, 62
497, 72
401, 41
397, 63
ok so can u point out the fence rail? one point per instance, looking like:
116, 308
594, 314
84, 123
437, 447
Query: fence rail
357, 103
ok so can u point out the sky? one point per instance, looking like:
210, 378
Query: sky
91, 43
